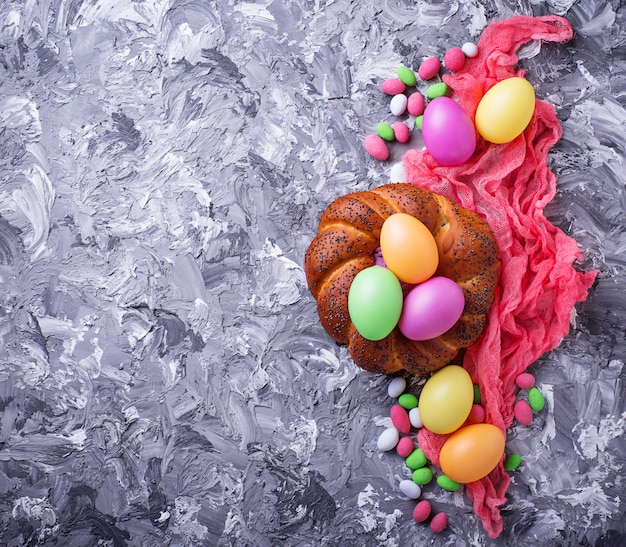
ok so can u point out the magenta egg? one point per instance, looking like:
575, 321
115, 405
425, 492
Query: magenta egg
449, 134
431, 309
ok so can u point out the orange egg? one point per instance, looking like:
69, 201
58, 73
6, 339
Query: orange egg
408, 248
472, 452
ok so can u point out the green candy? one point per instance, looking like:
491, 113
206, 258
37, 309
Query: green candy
418, 122
416, 459
385, 131
422, 476
535, 399
406, 76
476, 395
447, 483
407, 400
437, 90
512, 461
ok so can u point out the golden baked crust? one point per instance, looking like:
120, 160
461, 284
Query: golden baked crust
347, 240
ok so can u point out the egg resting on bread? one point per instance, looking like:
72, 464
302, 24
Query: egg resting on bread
346, 243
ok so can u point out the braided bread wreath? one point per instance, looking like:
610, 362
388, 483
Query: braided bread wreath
346, 243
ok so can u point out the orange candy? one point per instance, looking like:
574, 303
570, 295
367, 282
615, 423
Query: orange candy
472, 452
408, 248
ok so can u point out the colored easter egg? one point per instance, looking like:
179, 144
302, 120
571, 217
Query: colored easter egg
446, 399
376, 147
408, 248
505, 110
472, 452
375, 302
448, 132
431, 309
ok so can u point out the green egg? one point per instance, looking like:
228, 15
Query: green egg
408, 401
535, 399
422, 476
512, 461
375, 302
418, 122
406, 76
385, 131
416, 459
476, 395
437, 90
447, 483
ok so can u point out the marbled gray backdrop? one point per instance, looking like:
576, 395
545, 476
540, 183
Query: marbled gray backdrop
164, 379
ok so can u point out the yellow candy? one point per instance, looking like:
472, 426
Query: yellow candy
505, 110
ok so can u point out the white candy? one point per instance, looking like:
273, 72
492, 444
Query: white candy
398, 104
414, 418
470, 50
388, 439
410, 489
397, 385
397, 174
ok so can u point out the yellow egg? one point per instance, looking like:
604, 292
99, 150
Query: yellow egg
408, 248
472, 452
505, 110
446, 399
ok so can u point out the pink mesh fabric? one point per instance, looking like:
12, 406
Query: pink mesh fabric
509, 185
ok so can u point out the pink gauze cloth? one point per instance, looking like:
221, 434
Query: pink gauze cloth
509, 185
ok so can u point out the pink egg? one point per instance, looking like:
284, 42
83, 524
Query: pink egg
400, 419
439, 523
376, 147
429, 68
525, 380
431, 308
422, 511
415, 104
523, 413
401, 131
405, 447
393, 86
449, 134
454, 59
476, 415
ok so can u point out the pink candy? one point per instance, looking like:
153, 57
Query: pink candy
376, 147
454, 59
401, 132
525, 381
415, 104
523, 413
422, 511
439, 523
429, 68
393, 86
400, 419
405, 447
476, 415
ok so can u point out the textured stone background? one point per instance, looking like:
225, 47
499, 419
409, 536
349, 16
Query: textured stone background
164, 379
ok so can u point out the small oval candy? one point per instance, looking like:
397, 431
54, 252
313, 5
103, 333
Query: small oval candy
439, 523
512, 462
397, 173
477, 394
422, 511
440, 89
376, 147
405, 447
535, 399
523, 413
429, 68
454, 59
385, 131
393, 86
470, 49
396, 387
408, 400
400, 419
397, 106
416, 459
419, 121
406, 75
401, 132
447, 483
388, 439
410, 489
476, 415
415, 104
525, 380
415, 419
422, 476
